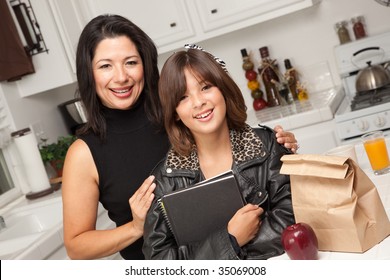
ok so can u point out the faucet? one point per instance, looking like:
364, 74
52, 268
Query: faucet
2, 223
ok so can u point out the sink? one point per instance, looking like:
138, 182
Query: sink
26, 224
35, 230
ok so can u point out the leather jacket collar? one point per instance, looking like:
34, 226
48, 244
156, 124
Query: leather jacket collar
246, 146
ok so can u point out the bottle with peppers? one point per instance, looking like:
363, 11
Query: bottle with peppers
253, 84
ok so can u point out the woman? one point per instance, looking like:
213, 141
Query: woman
121, 142
204, 115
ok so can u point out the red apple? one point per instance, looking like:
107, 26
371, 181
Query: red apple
300, 242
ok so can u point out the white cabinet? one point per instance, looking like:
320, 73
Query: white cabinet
233, 14
172, 23
70, 17
52, 69
164, 21
317, 138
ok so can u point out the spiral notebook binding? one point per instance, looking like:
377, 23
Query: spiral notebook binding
162, 208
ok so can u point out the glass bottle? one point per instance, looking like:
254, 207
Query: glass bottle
253, 84
358, 27
284, 93
270, 78
291, 77
246, 61
342, 32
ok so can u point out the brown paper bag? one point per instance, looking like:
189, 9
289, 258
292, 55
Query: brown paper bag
335, 197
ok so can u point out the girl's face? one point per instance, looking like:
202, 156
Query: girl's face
118, 72
202, 107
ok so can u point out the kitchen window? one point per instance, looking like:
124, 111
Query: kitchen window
8, 189
9, 181
6, 182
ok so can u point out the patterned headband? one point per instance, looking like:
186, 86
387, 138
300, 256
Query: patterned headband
218, 60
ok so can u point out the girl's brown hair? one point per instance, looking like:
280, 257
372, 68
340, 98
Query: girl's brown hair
172, 86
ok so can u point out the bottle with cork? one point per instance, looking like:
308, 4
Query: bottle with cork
358, 27
342, 32
291, 78
268, 72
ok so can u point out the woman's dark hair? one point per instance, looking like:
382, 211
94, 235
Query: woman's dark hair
111, 26
172, 86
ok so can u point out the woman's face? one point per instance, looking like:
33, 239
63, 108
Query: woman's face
202, 108
118, 72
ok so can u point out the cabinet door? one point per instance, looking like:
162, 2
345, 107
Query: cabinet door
317, 138
52, 68
215, 14
70, 17
164, 21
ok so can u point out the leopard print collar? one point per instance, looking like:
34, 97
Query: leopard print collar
246, 146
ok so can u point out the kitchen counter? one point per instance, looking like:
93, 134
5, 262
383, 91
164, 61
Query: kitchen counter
320, 107
380, 251
47, 241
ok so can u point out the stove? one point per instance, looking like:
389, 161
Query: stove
362, 112
370, 98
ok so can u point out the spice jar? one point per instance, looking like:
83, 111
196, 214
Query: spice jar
358, 27
342, 32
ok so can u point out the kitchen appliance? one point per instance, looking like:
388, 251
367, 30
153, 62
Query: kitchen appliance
369, 110
74, 114
372, 77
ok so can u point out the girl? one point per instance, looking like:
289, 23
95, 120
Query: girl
204, 115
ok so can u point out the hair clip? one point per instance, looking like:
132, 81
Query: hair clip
217, 59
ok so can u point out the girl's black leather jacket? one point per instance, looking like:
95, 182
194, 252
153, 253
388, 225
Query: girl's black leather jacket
256, 166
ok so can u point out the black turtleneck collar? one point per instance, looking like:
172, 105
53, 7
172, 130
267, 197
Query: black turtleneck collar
126, 120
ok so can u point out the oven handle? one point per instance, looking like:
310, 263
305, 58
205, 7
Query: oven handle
366, 49
377, 56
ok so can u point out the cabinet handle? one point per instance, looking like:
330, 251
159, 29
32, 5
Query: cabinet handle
214, 11
173, 24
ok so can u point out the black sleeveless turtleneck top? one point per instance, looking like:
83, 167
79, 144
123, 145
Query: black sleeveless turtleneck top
132, 148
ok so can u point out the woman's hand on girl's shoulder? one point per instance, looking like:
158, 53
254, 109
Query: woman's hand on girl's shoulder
286, 138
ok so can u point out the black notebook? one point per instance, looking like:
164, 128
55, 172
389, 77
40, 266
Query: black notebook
193, 213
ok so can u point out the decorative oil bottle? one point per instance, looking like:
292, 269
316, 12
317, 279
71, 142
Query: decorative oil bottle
268, 72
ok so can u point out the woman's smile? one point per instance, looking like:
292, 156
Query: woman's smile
122, 92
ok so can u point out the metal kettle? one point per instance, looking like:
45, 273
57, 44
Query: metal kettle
372, 77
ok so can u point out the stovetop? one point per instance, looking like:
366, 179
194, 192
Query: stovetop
353, 123
345, 112
370, 98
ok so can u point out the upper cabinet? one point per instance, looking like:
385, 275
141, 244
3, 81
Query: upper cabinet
223, 16
166, 22
172, 23
52, 68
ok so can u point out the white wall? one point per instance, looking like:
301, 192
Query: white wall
306, 38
